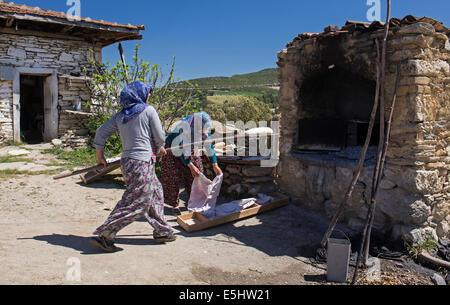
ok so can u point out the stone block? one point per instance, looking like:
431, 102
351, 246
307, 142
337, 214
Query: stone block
17, 53
418, 28
256, 171
403, 207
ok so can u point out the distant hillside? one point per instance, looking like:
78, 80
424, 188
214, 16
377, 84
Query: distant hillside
262, 78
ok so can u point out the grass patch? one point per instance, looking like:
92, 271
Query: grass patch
220, 99
247, 93
16, 144
11, 173
429, 245
75, 158
13, 159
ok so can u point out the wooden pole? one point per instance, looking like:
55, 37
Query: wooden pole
122, 56
362, 157
381, 170
377, 171
116, 161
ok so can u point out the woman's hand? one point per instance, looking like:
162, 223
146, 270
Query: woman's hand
217, 169
194, 170
162, 152
101, 158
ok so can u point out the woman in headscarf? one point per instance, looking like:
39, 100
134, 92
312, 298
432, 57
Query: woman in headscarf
182, 166
142, 138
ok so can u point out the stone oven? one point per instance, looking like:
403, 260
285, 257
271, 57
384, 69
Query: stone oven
42, 56
327, 92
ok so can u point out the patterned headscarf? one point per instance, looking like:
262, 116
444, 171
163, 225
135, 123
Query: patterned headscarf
133, 100
206, 123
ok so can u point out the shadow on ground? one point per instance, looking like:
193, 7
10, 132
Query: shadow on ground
82, 244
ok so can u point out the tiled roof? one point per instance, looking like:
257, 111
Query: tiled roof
21, 9
353, 26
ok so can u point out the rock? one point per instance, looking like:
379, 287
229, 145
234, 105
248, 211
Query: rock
331, 28
438, 280
356, 224
330, 208
426, 68
418, 28
258, 179
237, 188
232, 169
57, 142
18, 152
419, 182
441, 211
18, 53
386, 184
256, 171
315, 176
400, 231
265, 188
447, 279
403, 207
66, 57
418, 236
443, 229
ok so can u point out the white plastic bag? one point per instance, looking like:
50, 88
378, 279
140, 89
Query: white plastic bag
204, 195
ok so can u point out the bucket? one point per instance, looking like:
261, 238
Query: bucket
338, 258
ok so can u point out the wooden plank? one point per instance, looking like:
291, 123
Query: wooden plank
97, 174
193, 222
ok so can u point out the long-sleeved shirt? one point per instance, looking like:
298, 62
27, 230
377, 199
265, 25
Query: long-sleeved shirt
187, 160
137, 135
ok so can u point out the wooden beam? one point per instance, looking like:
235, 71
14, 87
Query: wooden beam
193, 222
38, 34
67, 28
82, 24
9, 22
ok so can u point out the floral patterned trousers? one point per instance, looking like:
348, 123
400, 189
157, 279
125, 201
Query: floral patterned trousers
143, 197
173, 174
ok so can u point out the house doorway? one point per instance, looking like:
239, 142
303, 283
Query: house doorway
32, 122
35, 105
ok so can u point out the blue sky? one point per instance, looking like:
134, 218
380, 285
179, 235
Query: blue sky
212, 38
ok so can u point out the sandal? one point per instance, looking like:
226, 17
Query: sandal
164, 239
103, 244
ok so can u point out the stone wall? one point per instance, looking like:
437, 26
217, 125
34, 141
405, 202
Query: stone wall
72, 130
68, 57
6, 115
243, 178
414, 196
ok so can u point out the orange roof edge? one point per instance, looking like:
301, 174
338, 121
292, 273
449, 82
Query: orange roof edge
22, 9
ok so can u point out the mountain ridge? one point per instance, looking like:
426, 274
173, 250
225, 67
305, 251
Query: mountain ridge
265, 77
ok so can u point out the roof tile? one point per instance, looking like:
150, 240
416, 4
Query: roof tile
22, 9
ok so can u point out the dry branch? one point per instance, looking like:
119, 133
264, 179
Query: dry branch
382, 147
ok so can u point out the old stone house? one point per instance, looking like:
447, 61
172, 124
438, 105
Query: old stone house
327, 93
42, 56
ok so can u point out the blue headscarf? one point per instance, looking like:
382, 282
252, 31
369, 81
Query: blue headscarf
133, 100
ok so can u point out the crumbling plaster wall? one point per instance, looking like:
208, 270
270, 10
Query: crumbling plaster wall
6, 115
414, 197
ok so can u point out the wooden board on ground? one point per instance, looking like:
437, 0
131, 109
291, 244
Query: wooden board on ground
193, 222
97, 174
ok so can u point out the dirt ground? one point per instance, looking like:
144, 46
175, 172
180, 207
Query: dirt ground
46, 224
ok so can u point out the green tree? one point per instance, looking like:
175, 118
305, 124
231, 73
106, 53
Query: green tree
240, 108
170, 100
